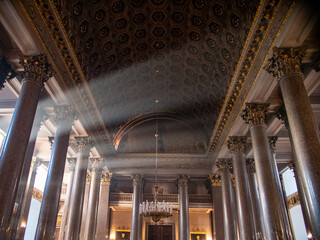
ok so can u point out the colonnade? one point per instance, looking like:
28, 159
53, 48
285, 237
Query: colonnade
273, 223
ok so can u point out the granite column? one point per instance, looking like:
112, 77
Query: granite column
136, 219
103, 208
65, 115
71, 167
285, 65
84, 144
254, 114
255, 200
91, 219
36, 72
184, 228
229, 218
236, 146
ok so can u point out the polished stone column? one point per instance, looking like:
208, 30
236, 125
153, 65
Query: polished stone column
255, 200
22, 223
281, 201
282, 115
72, 163
84, 144
41, 116
184, 228
236, 146
91, 219
254, 115
36, 72
218, 232
229, 218
137, 191
103, 208
285, 66
85, 206
65, 115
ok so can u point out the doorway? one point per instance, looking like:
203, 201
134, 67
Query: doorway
160, 232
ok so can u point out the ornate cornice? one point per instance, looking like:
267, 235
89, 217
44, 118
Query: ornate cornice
285, 61
272, 141
72, 163
224, 165
65, 114
183, 180
255, 113
83, 143
250, 165
36, 68
6, 72
257, 35
215, 180
95, 164
137, 179
236, 144
106, 178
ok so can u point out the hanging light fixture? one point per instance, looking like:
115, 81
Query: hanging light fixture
155, 209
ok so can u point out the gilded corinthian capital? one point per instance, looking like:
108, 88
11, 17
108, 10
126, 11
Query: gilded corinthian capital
95, 164
215, 180
255, 113
183, 180
137, 180
106, 178
36, 68
236, 144
285, 61
224, 165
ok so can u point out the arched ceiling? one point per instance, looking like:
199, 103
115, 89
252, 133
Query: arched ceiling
181, 52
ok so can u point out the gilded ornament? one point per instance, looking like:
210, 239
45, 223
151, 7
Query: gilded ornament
36, 68
255, 113
224, 165
236, 144
281, 114
215, 180
285, 61
183, 180
106, 178
137, 180
88, 177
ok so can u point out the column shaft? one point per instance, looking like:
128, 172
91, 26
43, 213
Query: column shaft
93, 199
14, 149
77, 195
51, 194
85, 206
137, 190
306, 144
64, 219
103, 208
255, 201
184, 232
236, 146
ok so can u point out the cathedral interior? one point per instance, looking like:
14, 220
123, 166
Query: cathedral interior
211, 106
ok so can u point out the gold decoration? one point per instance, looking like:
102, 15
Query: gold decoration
183, 180
106, 178
36, 68
137, 179
285, 61
281, 114
250, 165
88, 177
224, 165
272, 142
37, 194
255, 113
236, 144
215, 180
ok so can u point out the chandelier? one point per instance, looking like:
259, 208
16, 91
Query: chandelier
155, 209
